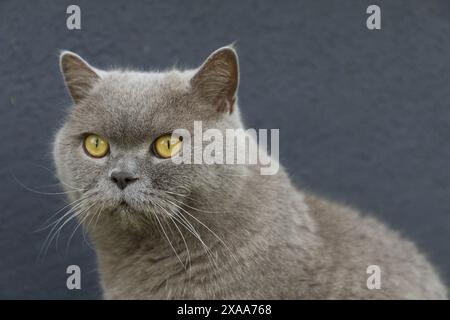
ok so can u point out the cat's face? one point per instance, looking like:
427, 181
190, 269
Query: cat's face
105, 153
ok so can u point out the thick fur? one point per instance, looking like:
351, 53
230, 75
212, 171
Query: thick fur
245, 236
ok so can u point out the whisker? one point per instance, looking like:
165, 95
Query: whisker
59, 223
188, 260
205, 226
48, 219
194, 232
59, 182
56, 223
170, 243
81, 221
40, 192
196, 209
98, 215
77, 215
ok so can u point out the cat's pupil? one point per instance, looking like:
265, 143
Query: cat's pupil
168, 144
96, 143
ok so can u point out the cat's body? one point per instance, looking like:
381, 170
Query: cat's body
245, 235
308, 248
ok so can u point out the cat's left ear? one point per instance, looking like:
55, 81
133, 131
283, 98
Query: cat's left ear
79, 76
217, 80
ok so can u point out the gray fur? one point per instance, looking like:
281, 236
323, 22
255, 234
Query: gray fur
261, 238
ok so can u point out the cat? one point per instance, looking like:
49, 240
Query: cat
166, 230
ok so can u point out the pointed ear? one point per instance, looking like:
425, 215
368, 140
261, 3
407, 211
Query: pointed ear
78, 75
216, 82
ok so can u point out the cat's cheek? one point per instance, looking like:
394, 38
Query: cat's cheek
160, 161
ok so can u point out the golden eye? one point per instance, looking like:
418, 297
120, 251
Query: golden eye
95, 146
167, 146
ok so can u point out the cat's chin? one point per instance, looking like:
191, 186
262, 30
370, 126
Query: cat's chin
123, 204
134, 219
125, 207
135, 215
130, 209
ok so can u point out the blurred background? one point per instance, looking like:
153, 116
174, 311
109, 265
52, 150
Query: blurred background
364, 116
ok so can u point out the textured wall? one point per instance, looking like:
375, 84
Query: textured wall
364, 116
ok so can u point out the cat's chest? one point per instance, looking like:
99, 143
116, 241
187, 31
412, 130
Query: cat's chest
155, 274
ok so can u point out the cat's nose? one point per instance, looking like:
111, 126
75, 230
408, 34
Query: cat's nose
123, 178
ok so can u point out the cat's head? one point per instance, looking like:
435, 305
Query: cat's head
113, 152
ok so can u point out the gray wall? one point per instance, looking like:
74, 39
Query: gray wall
364, 116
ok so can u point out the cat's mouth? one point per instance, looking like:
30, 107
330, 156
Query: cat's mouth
123, 203
124, 206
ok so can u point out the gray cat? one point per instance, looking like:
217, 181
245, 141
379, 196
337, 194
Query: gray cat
166, 230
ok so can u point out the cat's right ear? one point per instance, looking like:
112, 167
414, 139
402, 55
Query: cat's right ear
216, 81
78, 75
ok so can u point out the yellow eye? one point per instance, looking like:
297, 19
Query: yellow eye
95, 146
167, 146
